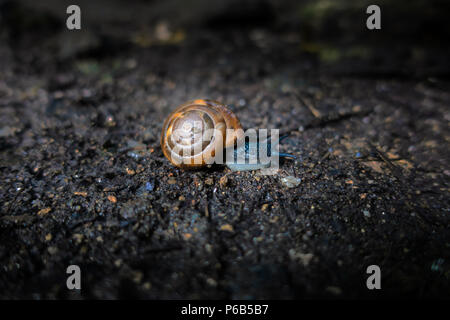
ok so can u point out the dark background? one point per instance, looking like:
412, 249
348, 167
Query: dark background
83, 179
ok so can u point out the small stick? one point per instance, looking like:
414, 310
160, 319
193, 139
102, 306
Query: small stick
316, 113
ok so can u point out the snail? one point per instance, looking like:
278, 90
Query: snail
197, 133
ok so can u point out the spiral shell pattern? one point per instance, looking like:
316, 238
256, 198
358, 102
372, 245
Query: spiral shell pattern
195, 131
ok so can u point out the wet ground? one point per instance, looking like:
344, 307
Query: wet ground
83, 179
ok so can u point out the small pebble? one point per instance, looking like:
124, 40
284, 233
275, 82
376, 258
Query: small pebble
227, 227
290, 181
44, 211
6, 132
118, 263
304, 258
211, 282
149, 186
187, 236
223, 181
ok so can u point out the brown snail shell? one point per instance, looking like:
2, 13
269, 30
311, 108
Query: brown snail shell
184, 130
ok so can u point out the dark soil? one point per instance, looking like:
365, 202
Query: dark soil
83, 179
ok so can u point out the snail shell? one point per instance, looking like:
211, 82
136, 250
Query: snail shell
187, 139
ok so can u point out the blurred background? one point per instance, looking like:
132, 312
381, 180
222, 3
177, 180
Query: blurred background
413, 40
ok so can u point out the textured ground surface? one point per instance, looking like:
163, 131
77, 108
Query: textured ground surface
83, 179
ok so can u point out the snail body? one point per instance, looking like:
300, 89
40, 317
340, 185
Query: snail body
198, 132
